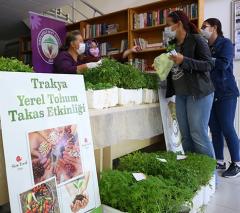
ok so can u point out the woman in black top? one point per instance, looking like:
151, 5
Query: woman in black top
190, 81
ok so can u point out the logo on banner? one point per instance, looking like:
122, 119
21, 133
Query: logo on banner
48, 43
19, 163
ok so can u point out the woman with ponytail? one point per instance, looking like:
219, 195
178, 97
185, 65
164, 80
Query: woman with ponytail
190, 81
225, 98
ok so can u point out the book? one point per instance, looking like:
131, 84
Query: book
159, 16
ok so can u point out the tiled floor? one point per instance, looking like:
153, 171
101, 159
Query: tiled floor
227, 196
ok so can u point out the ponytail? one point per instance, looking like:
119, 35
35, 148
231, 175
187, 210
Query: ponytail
188, 26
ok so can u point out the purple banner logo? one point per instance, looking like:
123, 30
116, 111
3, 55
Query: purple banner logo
48, 44
47, 35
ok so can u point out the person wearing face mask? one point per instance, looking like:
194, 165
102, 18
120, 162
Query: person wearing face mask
225, 99
190, 81
92, 52
69, 59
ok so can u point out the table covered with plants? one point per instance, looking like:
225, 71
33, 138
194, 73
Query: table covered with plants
123, 103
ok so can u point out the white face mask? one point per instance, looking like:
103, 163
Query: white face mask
169, 33
81, 49
206, 33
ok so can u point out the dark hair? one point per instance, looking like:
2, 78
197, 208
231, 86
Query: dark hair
187, 24
215, 22
71, 36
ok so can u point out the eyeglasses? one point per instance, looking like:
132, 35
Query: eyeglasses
205, 26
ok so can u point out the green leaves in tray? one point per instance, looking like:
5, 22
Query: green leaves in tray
13, 65
168, 187
120, 75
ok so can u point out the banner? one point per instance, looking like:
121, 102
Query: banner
47, 35
171, 130
48, 146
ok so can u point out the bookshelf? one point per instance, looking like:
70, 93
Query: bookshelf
25, 50
143, 25
111, 31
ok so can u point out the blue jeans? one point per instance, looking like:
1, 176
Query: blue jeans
222, 126
193, 117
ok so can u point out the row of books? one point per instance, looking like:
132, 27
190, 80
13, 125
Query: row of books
107, 49
143, 44
92, 31
143, 65
158, 17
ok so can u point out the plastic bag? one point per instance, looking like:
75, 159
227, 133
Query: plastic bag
163, 65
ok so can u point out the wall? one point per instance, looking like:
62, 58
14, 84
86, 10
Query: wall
221, 9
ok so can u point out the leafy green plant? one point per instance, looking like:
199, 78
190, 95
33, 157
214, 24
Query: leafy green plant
99, 86
171, 47
121, 75
170, 186
13, 65
151, 81
192, 172
121, 191
78, 184
108, 72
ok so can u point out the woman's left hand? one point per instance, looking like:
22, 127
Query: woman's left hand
178, 59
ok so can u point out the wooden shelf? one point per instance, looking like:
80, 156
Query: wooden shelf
109, 35
151, 50
146, 29
158, 27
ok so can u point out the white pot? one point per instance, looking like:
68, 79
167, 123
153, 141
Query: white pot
130, 96
96, 99
209, 190
112, 97
150, 96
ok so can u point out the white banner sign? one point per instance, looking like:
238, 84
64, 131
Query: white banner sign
170, 125
48, 144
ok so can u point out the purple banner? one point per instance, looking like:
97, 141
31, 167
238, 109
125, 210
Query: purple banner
47, 36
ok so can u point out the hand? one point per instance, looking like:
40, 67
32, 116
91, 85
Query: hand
177, 59
48, 169
135, 49
92, 65
80, 204
99, 62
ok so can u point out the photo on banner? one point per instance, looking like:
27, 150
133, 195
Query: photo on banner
55, 152
41, 198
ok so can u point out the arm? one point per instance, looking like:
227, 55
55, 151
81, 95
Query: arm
204, 61
129, 51
224, 56
81, 68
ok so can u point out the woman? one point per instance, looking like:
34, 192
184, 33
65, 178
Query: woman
190, 81
69, 59
225, 99
92, 52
